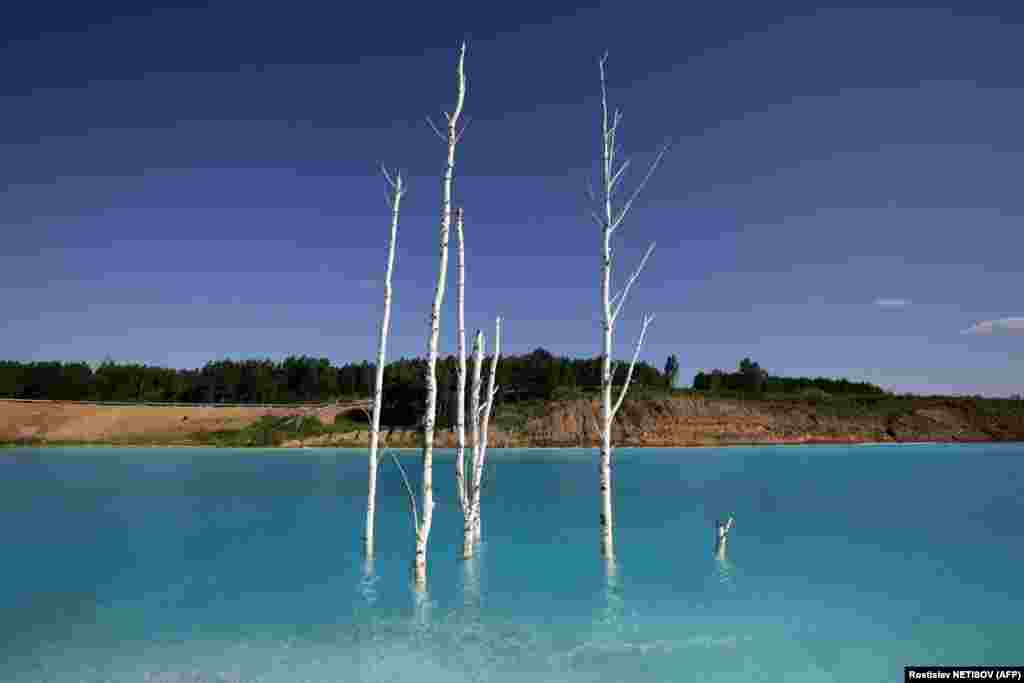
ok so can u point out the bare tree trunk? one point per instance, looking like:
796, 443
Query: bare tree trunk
469, 517
722, 530
605, 474
482, 414
461, 483
610, 219
397, 191
427, 482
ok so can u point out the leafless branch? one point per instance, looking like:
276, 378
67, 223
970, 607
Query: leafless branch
648, 319
639, 188
610, 138
387, 176
436, 131
618, 175
492, 389
604, 111
458, 136
395, 183
408, 489
615, 297
629, 283
461, 75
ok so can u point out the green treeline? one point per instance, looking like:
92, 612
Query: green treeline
295, 379
537, 375
750, 378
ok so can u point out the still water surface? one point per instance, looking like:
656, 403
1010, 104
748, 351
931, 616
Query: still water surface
846, 563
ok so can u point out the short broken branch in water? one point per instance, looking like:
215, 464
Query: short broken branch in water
722, 530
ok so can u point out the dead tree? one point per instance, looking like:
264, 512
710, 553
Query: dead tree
427, 483
468, 487
481, 418
722, 530
396, 192
609, 216
461, 482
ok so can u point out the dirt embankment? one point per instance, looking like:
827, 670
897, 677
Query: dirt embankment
666, 422
143, 424
709, 421
705, 421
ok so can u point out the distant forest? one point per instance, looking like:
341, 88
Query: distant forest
534, 376
537, 375
750, 378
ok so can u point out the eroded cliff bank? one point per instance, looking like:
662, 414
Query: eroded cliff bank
670, 421
707, 421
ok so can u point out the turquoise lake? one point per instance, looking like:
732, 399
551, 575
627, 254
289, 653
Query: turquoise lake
846, 564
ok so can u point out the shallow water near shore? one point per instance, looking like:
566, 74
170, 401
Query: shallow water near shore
845, 564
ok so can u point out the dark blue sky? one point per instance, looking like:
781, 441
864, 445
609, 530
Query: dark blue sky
183, 184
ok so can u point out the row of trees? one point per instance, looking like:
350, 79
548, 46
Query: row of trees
752, 379
536, 375
295, 379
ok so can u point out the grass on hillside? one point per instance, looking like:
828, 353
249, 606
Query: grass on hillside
273, 431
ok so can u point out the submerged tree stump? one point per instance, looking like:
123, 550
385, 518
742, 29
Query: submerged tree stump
722, 530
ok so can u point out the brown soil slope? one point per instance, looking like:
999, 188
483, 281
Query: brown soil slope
672, 421
67, 421
703, 421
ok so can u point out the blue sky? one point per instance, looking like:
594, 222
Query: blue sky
189, 183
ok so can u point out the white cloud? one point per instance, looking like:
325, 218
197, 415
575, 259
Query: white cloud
1000, 326
892, 303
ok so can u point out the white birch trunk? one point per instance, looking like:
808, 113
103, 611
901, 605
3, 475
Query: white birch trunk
469, 518
605, 464
427, 482
461, 482
722, 530
484, 416
610, 219
398, 190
